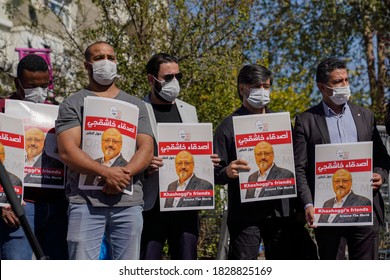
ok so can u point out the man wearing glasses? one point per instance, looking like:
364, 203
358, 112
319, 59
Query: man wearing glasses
345, 197
184, 165
111, 147
268, 170
180, 228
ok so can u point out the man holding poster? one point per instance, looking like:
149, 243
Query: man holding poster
179, 228
110, 209
270, 221
336, 120
46, 208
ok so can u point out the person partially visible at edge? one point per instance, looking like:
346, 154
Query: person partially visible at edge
250, 223
45, 209
344, 197
95, 212
336, 120
15, 180
179, 228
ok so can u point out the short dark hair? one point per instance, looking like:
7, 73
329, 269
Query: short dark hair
33, 63
87, 53
253, 74
153, 65
327, 66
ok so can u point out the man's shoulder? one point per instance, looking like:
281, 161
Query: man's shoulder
180, 102
201, 181
76, 97
360, 109
316, 109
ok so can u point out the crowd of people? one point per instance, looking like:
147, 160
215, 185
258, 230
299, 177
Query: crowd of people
73, 223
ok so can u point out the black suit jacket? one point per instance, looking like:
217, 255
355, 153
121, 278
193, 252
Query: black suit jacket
89, 181
352, 200
276, 172
311, 129
45, 161
195, 183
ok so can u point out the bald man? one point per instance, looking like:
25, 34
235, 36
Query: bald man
184, 165
15, 181
37, 157
111, 144
268, 170
345, 197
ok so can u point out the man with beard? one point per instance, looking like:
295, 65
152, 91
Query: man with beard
179, 228
345, 197
111, 147
36, 157
268, 170
184, 164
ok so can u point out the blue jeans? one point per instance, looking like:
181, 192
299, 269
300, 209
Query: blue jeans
14, 244
87, 224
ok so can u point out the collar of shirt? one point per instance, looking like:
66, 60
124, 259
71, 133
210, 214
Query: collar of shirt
330, 113
110, 162
32, 161
340, 203
264, 177
183, 186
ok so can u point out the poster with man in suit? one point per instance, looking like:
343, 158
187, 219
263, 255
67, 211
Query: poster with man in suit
11, 154
186, 178
42, 165
264, 142
343, 194
109, 137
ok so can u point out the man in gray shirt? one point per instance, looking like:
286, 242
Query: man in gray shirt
93, 212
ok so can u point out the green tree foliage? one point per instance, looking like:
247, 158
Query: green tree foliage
294, 35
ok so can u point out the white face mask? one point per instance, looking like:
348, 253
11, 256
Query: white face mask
36, 95
104, 72
340, 95
258, 97
170, 90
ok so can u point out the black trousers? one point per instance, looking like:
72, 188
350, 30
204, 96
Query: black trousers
179, 228
281, 237
362, 241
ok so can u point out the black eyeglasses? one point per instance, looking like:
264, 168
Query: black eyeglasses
169, 77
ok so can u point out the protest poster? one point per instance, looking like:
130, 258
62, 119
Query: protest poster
109, 136
12, 154
43, 167
343, 191
187, 176
265, 142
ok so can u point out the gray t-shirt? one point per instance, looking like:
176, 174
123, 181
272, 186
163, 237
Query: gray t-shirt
70, 115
